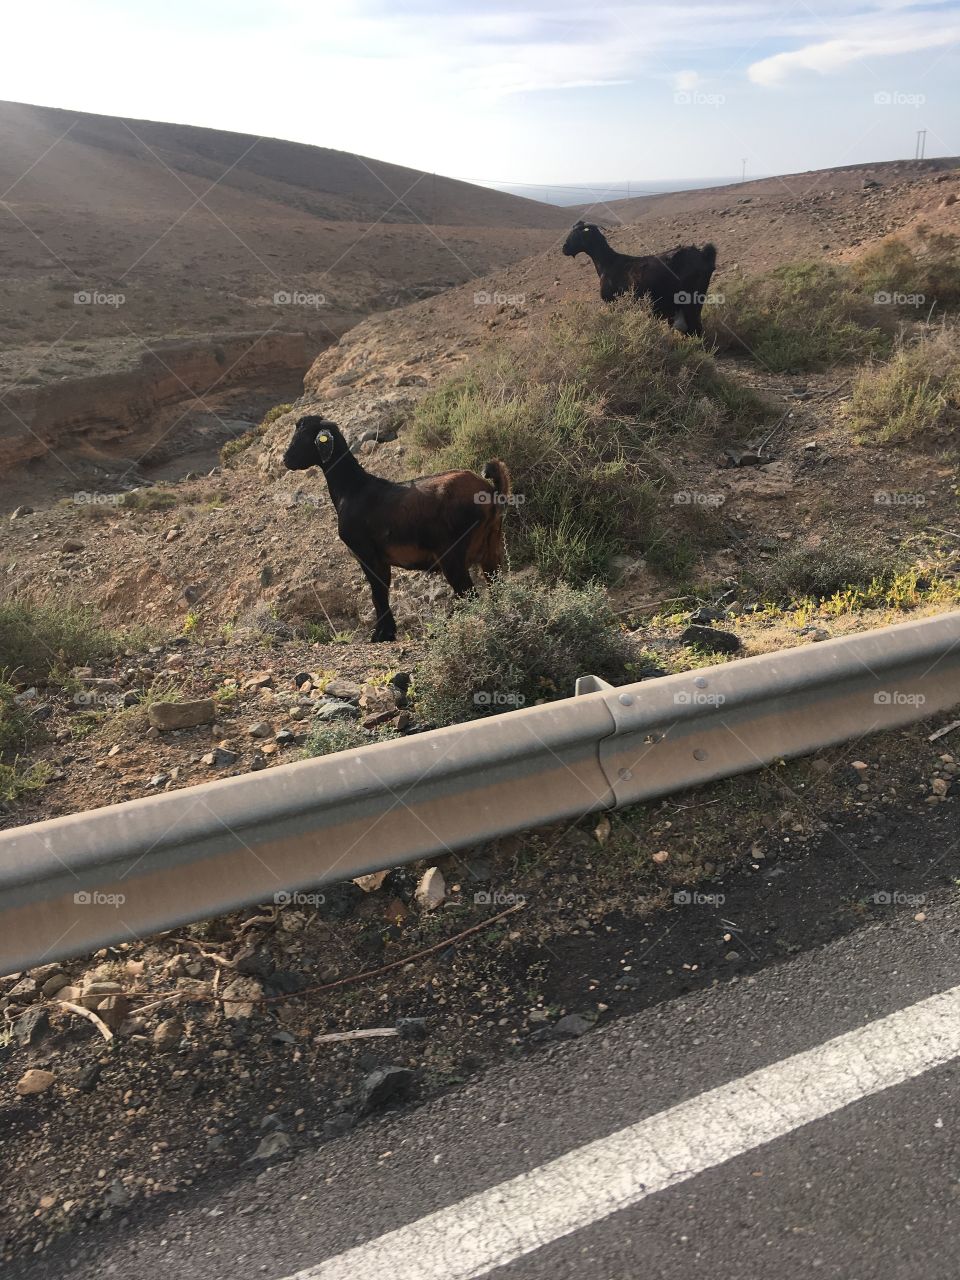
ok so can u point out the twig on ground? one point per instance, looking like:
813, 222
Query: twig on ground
89, 1015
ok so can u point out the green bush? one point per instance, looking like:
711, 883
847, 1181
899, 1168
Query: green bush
930, 272
800, 316
13, 722
519, 642
583, 415
914, 394
342, 735
39, 638
239, 444
817, 573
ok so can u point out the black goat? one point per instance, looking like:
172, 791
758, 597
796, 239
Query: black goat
438, 524
676, 282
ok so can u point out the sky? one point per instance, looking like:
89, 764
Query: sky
550, 92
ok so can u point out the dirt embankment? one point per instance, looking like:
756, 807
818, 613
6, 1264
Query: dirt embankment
112, 407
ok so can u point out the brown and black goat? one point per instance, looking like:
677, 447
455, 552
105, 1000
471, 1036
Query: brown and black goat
439, 524
676, 282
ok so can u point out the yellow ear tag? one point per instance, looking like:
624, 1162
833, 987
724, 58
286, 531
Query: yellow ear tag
324, 439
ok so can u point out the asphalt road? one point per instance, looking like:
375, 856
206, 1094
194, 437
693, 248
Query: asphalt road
870, 1188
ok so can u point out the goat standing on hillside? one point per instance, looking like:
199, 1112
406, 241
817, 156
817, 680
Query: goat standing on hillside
676, 282
438, 524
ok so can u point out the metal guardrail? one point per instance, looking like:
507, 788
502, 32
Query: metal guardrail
71, 884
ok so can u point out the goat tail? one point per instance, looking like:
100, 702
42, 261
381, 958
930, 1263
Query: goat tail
709, 252
496, 472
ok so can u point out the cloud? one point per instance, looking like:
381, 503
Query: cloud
833, 55
686, 80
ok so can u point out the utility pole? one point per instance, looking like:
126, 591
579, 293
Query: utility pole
921, 146
743, 171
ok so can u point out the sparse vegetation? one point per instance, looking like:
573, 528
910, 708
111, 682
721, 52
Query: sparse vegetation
582, 416
13, 722
929, 273
803, 315
41, 638
914, 394
819, 572
240, 444
519, 643
342, 735
18, 780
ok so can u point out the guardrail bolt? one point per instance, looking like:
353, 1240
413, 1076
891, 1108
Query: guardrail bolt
626, 699
699, 754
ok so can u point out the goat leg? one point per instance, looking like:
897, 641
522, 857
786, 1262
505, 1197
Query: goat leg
377, 573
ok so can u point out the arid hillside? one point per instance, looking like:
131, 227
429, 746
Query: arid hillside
199, 231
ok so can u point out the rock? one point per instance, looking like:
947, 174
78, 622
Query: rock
336, 709
30, 1025
172, 534
55, 983
301, 679
336, 1126
168, 1035
35, 1081
285, 738
386, 1084
70, 545
711, 639
240, 997
262, 680
262, 729
274, 1146
575, 1024
412, 1028
219, 758
181, 715
24, 991
344, 691
948, 200
19, 512
431, 890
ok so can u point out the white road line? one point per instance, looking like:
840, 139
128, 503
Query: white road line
493, 1228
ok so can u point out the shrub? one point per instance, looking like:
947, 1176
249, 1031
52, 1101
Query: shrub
581, 415
519, 642
39, 638
342, 735
13, 722
17, 780
916, 393
239, 444
817, 573
930, 272
803, 315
